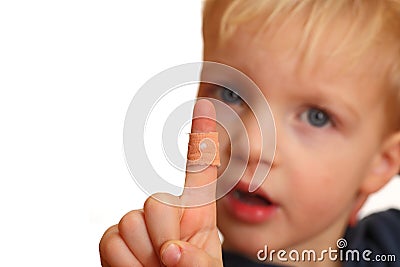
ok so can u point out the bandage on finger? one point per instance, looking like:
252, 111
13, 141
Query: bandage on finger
203, 149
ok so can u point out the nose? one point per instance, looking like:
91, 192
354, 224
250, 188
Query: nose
259, 140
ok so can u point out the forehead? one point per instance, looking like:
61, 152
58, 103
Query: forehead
283, 46
275, 49
276, 64
313, 30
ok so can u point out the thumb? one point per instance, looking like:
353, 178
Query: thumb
177, 253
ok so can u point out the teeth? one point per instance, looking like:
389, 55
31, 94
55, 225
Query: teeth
251, 199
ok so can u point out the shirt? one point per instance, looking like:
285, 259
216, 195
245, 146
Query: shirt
374, 241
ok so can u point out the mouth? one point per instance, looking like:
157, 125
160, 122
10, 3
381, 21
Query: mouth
252, 199
249, 207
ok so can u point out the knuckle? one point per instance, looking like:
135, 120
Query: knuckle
110, 230
109, 243
160, 201
107, 234
130, 222
151, 204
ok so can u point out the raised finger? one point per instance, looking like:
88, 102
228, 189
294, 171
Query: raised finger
203, 144
200, 186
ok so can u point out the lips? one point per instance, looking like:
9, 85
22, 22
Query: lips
255, 207
250, 199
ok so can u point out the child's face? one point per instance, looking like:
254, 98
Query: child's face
329, 131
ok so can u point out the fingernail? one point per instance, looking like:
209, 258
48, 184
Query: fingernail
171, 255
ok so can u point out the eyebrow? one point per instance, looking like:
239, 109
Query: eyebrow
326, 98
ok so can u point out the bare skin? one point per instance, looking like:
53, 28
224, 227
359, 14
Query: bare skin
142, 237
321, 175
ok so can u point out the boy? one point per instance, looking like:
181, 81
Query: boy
331, 74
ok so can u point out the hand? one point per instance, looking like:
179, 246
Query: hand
165, 235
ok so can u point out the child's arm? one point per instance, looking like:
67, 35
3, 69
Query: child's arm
143, 237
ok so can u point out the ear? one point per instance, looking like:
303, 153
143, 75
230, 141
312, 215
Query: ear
385, 165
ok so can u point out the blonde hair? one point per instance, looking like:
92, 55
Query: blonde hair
371, 24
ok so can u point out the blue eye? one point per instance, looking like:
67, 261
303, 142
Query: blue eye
316, 117
229, 96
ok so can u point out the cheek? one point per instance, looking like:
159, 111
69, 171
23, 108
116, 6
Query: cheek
322, 184
319, 197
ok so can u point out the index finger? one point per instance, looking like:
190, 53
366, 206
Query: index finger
203, 171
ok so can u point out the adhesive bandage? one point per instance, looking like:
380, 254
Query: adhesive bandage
203, 149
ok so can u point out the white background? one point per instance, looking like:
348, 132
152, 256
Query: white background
68, 71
